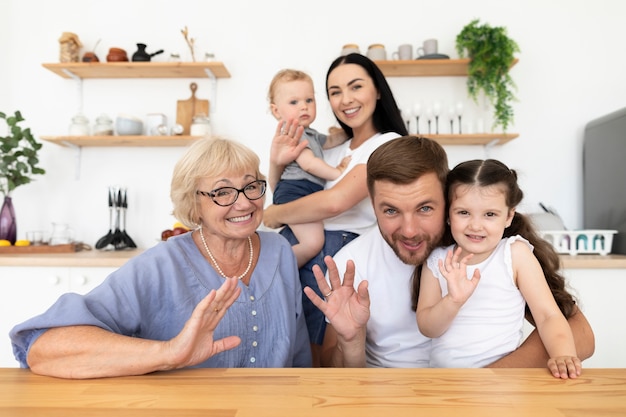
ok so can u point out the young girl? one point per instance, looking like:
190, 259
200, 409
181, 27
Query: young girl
475, 321
291, 98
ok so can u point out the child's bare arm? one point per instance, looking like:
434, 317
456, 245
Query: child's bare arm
317, 166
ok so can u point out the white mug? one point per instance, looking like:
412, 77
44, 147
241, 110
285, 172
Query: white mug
377, 52
404, 52
429, 47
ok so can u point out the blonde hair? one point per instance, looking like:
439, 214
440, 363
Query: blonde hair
285, 76
207, 157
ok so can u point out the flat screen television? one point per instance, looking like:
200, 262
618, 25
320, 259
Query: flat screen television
604, 176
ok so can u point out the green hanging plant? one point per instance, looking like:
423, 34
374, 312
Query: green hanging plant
18, 155
491, 55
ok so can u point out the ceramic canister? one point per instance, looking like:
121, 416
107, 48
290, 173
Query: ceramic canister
377, 52
350, 48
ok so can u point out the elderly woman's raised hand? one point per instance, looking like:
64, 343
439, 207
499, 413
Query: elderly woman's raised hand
286, 145
346, 309
195, 344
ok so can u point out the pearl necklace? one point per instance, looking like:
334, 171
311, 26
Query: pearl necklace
206, 247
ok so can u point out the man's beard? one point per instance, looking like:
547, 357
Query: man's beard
413, 257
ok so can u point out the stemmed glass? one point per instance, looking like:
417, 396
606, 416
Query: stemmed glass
417, 111
429, 117
437, 112
459, 112
452, 114
406, 116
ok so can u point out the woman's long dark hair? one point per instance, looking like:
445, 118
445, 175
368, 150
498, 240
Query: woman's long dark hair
387, 116
485, 173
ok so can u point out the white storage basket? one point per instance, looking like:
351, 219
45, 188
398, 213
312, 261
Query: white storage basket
575, 242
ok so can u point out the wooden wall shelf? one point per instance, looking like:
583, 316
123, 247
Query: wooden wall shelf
139, 70
104, 141
426, 67
486, 139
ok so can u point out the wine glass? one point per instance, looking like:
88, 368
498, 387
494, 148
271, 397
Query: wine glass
437, 112
406, 116
452, 114
429, 117
417, 111
459, 112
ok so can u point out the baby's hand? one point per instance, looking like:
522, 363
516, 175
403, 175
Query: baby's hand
565, 367
344, 163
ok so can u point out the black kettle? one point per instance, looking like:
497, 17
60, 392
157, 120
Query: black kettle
142, 56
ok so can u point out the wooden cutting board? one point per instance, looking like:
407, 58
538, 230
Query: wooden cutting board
187, 109
65, 248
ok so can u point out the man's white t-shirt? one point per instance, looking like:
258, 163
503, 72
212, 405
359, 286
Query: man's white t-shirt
393, 339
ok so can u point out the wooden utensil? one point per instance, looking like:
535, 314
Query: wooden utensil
187, 109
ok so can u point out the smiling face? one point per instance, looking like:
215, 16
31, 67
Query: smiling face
294, 100
237, 221
353, 96
478, 217
411, 216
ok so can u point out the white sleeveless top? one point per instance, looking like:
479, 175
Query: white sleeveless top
489, 325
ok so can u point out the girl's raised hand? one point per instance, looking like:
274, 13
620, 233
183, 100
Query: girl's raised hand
454, 270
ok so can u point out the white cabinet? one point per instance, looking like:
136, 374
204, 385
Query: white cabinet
600, 294
28, 291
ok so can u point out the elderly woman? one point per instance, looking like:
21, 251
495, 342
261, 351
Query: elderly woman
223, 295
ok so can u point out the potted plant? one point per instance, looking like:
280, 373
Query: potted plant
491, 55
18, 163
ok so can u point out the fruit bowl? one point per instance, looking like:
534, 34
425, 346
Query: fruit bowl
177, 229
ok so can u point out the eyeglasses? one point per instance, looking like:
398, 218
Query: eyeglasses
226, 196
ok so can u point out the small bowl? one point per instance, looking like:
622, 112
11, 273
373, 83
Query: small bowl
117, 55
126, 125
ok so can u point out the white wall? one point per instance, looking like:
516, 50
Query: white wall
570, 72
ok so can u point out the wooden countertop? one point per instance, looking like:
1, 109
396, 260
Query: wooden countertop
321, 392
593, 261
88, 258
97, 258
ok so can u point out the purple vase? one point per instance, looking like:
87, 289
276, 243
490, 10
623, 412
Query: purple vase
8, 225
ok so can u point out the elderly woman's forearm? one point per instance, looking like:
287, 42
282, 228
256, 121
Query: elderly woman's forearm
80, 352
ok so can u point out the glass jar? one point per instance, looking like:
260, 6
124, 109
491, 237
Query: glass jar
200, 126
79, 126
103, 126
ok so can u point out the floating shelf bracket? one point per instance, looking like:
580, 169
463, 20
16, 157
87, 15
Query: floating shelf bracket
213, 94
70, 74
77, 158
489, 146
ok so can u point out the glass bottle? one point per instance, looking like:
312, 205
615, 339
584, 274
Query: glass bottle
79, 125
200, 126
